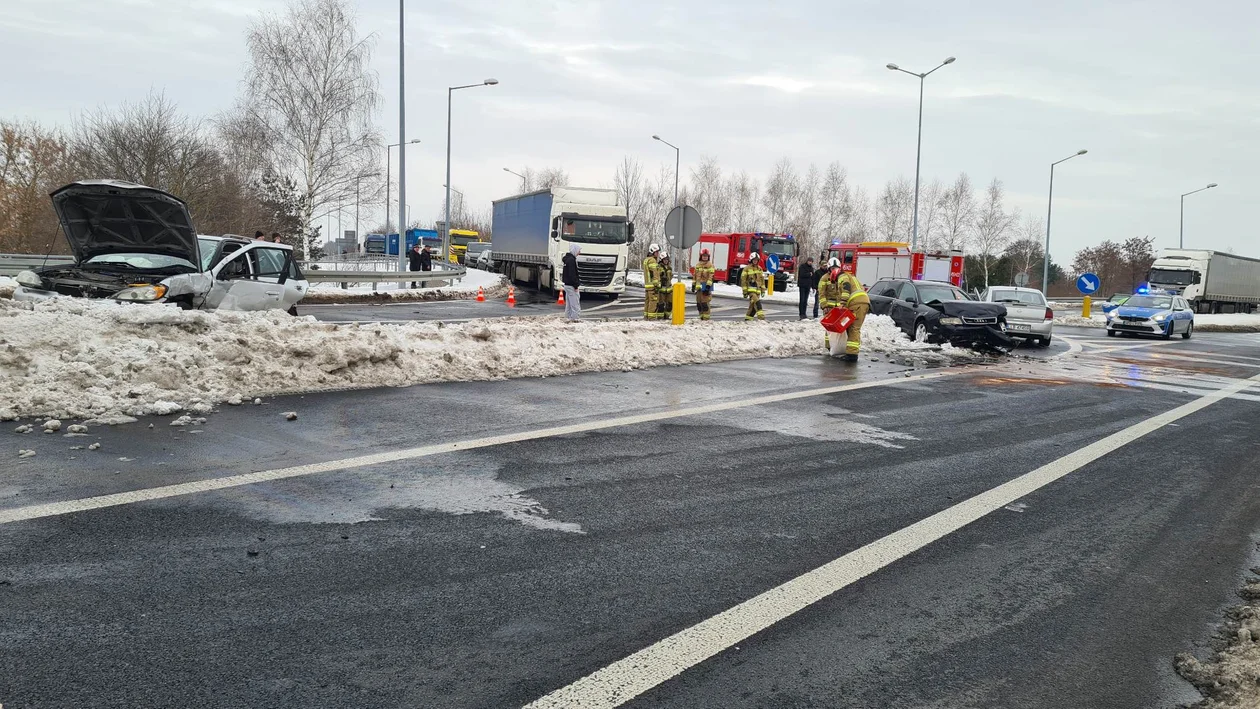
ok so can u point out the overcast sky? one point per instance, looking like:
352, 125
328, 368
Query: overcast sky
1163, 94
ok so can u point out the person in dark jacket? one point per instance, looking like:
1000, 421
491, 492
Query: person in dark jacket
569, 277
806, 283
416, 261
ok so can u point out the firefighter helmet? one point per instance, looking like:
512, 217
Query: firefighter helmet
754, 256
833, 263
704, 254
653, 249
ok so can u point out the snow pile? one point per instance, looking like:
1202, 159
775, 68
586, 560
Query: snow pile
1229, 680
495, 285
1095, 320
7, 286
73, 358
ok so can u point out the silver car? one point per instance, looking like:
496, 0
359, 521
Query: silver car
136, 244
1027, 314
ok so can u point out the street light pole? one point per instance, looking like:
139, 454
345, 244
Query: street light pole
446, 230
518, 175
388, 157
918, 153
682, 228
1045, 257
1181, 240
402, 152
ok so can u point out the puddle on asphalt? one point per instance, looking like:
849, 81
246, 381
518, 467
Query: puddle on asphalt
821, 423
455, 484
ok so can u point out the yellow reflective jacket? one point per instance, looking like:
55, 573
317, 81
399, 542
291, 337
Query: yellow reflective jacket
667, 275
843, 291
704, 273
651, 272
752, 279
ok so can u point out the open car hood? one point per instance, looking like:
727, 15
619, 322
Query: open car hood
111, 216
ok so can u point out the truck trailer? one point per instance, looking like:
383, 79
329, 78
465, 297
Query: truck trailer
532, 233
1209, 280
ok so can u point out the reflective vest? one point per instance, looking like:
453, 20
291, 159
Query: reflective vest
704, 273
752, 279
651, 272
843, 291
667, 275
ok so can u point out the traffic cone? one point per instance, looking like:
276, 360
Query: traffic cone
511, 301
561, 299
481, 295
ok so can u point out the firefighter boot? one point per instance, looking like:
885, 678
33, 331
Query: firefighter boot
850, 357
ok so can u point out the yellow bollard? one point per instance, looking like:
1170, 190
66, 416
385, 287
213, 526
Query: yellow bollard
1085, 308
680, 303
770, 285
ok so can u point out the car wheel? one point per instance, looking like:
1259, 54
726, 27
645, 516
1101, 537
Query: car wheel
920, 332
1168, 333
1189, 329
1044, 341
1111, 333
293, 310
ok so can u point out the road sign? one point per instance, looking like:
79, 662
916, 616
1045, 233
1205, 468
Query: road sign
1021, 279
772, 263
682, 227
1087, 283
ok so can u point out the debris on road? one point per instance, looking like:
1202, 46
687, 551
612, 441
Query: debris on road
111, 362
77, 428
187, 420
290, 416
52, 426
23, 453
94, 446
257, 402
24, 428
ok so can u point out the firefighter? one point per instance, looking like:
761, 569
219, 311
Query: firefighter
651, 282
665, 295
753, 280
702, 284
837, 289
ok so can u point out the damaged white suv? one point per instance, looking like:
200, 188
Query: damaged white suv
137, 244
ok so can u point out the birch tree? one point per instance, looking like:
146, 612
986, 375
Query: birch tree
894, 209
835, 202
993, 226
957, 214
778, 195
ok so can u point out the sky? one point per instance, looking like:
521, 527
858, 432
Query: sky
1163, 94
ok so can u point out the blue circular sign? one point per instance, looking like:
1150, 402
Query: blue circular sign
1087, 283
772, 263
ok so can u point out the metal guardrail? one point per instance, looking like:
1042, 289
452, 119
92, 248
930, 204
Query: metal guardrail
13, 264
443, 274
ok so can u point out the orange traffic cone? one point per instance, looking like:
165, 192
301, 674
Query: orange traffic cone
511, 301
481, 295
561, 300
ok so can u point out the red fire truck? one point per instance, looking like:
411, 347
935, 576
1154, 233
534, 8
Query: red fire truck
730, 254
873, 260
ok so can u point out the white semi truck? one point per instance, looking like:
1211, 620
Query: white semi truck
1209, 280
533, 232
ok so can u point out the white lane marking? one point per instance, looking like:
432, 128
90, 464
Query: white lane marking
1200, 353
1073, 346
157, 493
631, 676
1157, 357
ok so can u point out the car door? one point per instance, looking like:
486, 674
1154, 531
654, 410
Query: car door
905, 309
275, 265
882, 294
236, 285
1182, 316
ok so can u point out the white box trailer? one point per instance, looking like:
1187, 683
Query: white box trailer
1209, 280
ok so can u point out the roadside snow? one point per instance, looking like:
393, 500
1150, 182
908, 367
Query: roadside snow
77, 359
325, 292
1229, 680
1226, 322
7, 286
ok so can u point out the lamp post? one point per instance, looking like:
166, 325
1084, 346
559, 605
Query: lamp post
446, 230
1181, 240
518, 175
402, 152
1045, 257
677, 163
914, 239
388, 156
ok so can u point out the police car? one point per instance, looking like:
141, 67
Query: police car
1152, 312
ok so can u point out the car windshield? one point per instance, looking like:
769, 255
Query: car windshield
1120, 298
1017, 297
594, 231
779, 248
932, 293
141, 261
1149, 301
1172, 276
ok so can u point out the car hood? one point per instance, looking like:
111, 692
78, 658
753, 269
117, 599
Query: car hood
110, 216
1136, 312
969, 308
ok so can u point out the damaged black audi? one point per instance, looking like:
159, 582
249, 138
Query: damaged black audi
937, 312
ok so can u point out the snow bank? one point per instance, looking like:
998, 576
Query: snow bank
72, 358
324, 292
1228, 680
6, 287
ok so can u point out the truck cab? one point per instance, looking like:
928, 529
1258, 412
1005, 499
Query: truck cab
1180, 272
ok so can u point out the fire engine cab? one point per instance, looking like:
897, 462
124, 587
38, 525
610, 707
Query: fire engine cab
730, 253
873, 260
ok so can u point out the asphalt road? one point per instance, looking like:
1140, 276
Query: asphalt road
366, 563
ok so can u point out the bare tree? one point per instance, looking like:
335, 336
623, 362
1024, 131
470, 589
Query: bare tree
894, 210
32, 164
861, 224
552, 177
628, 181
708, 194
1024, 253
930, 214
310, 90
993, 226
835, 201
744, 197
957, 214
779, 194
804, 224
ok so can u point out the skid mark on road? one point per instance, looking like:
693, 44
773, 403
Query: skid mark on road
625, 679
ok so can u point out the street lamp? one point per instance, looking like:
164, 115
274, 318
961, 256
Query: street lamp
446, 231
1045, 258
914, 239
1181, 241
677, 163
388, 156
402, 152
518, 175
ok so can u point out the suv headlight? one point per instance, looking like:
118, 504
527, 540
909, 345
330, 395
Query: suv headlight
141, 293
950, 321
30, 279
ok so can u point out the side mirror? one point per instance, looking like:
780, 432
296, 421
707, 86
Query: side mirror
555, 235
630, 233
1198, 277
912, 301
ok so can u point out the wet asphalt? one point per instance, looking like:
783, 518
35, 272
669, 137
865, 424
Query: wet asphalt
489, 577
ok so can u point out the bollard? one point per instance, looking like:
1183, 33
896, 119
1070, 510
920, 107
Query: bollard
770, 285
1085, 308
680, 303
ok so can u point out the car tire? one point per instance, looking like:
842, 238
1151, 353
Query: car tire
1044, 341
1189, 330
1111, 333
920, 332
1167, 335
293, 310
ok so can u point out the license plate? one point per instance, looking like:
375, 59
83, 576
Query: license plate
1016, 327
